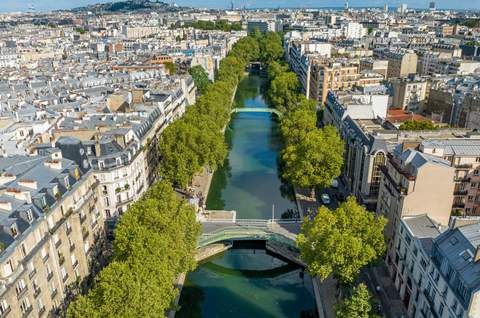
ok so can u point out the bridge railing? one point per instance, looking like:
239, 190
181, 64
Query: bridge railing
266, 229
254, 221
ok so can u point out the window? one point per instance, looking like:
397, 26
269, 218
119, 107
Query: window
25, 305
29, 215
13, 230
20, 286
440, 309
3, 306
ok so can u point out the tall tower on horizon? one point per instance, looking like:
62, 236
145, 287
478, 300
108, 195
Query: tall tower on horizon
346, 5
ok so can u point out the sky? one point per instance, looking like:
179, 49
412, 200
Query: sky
45, 5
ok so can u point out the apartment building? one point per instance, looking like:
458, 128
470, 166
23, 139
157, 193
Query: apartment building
436, 269
337, 75
409, 93
374, 65
300, 55
51, 224
406, 188
463, 154
355, 104
401, 63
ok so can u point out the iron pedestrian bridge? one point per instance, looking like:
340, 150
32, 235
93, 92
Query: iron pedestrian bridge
281, 231
256, 110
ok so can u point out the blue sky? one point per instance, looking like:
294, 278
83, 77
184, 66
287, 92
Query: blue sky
43, 5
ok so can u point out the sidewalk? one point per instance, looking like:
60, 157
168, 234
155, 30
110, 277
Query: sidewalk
392, 305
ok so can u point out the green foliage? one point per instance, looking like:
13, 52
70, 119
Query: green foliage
471, 23
80, 30
271, 48
472, 43
418, 125
196, 140
298, 122
284, 91
341, 242
222, 25
155, 240
359, 305
171, 67
200, 77
314, 161
275, 69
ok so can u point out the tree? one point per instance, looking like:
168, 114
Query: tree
341, 242
275, 69
155, 240
271, 47
314, 161
357, 306
418, 125
298, 122
200, 77
283, 92
171, 67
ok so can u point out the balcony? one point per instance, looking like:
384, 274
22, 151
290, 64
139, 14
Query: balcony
58, 243
69, 230
41, 311
75, 265
45, 258
65, 278
61, 259
85, 233
5, 312
72, 247
459, 205
460, 192
37, 292
32, 273
82, 218
21, 293
54, 293
49, 276
466, 166
27, 312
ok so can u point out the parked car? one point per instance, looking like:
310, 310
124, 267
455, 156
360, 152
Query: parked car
335, 183
325, 198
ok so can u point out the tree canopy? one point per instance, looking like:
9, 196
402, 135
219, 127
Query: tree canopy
200, 77
284, 91
358, 305
314, 161
298, 122
171, 67
341, 242
418, 125
155, 240
271, 48
222, 25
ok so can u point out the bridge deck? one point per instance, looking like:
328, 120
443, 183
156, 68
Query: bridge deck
256, 110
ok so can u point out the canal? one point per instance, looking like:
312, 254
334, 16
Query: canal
246, 281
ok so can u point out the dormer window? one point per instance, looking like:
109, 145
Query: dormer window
29, 215
13, 230
67, 183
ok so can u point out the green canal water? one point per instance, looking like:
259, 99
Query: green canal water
246, 281
249, 182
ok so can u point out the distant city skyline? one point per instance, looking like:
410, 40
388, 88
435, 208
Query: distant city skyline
46, 5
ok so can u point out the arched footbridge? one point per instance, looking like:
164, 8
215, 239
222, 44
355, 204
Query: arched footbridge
256, 110
281, 231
